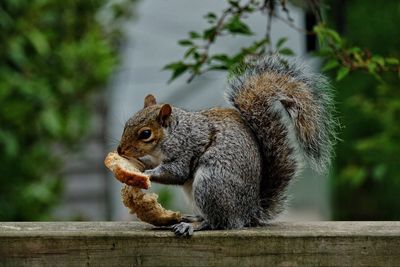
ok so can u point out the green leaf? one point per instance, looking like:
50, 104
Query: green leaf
286, 51
355, 49
280, 42
185, 42
177, 68
358, 57
209, 34
325, 33
236, 26
234, 3
51, 121
253, 49
331, 64
334, 35
218, 67
342, 72
210, 15
196, 55
194, 35
372, 67
379, 60
220, 57
392, 61
38, 41
189, 52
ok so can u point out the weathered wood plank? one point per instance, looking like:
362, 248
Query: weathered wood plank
137, 244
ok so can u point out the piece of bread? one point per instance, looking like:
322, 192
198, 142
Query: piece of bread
127, 171
144, 205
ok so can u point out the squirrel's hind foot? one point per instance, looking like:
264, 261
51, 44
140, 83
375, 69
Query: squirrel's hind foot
184, 229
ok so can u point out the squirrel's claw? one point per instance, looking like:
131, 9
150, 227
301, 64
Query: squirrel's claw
183, 229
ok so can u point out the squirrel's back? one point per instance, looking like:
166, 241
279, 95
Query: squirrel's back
289, 109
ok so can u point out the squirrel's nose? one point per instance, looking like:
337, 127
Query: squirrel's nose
119, 150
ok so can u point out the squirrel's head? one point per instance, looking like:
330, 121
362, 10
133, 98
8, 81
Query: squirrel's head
144, 130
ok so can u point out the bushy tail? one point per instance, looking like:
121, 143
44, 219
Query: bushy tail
290, 111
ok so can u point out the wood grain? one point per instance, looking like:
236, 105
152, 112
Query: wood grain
138, 244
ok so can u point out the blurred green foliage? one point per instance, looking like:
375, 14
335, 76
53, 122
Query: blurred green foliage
198, 58
54, 55
366, 172
366, 179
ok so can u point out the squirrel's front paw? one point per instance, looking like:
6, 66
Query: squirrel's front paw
183, 229
153, 172
148, 162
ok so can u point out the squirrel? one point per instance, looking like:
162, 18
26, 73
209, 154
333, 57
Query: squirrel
235, 164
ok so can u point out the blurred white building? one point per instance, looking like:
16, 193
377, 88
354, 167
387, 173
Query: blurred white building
152, 43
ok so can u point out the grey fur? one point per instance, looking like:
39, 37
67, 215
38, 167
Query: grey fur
236, 164
220, 158
319, 149
277, 128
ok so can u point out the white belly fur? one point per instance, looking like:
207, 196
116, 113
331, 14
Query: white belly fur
188, 189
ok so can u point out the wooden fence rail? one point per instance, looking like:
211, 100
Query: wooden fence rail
137, 244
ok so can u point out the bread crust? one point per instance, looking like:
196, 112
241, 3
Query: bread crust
144, 205
127, 171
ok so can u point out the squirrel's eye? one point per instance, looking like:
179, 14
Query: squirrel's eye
146, 134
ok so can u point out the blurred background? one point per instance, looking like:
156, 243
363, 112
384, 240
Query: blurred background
72, 72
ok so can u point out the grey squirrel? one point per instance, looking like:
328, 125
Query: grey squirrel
235, 164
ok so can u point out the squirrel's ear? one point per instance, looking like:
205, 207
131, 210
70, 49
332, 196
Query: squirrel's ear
164, 114
149, 100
